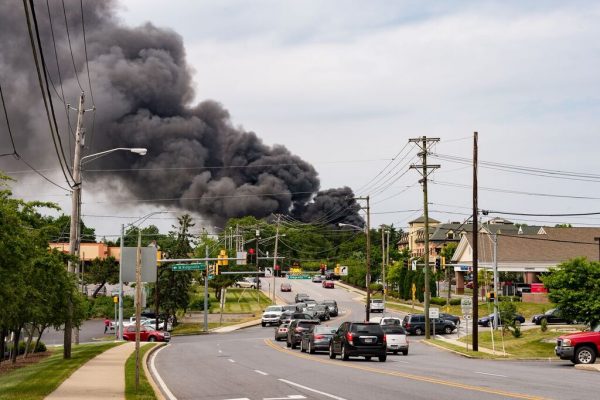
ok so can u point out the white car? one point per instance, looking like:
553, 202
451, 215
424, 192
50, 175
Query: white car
271, 315
376, 305
396, 338
244, 283
390, 321
151, 322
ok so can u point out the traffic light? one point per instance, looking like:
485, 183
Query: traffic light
251, 256
211, 269
222, 258
443, 262
437, 263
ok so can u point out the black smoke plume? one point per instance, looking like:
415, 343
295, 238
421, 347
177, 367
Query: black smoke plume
142, 88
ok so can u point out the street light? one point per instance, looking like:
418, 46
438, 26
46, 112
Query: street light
138, 150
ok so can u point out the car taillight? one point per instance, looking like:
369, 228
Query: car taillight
384, 338
407, 326
349, 338
319, 337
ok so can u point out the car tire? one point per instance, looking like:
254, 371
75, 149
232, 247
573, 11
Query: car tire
405, 352
418, 331
288, 344
293, 345
368, 358
331, 353
345, 355
152, 339
585, 355
263, 324
383, 358
395, 353
302, 346
310, 349
448, 329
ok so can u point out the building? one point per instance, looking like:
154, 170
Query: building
413, 238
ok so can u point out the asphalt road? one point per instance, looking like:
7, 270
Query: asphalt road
248, 364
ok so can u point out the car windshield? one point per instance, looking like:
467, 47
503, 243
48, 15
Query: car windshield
324, 329
329, 303
274, 308
377, 301
307, 324
393, 330
366, 328
320, 308
596, 328
550, 312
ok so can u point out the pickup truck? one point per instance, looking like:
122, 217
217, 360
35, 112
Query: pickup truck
580, 347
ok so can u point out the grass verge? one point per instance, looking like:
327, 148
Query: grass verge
144, 391
195, 328
39, 380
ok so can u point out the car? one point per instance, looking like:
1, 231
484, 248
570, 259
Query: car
310, 303
328, 285
316, 338
317, 279
333, 307
415, 324
580, 347
469, 285
147, 334
295, 330
281, 331
395, 338
489, 319
287, 316
320, 311
285, 287
299, 296
390, 321
271, 315
365, 339
450, 317
243, 283
376, 305
289, 307
151, 322
552, 316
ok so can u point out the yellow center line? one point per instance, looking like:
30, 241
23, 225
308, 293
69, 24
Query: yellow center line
420, 378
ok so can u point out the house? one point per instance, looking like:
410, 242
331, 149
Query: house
413, 238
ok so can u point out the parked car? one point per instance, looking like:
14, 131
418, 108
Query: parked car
146, 334
580, 347
469, 285
285, 287
299, 296
365, 339
328, 285
376, 305
333, 307
489, 319
281, 331
415, 324
552, 316
395, 338
450, 317
296, 328
271, 315
317, 279
316, 338
320, 312
151, 322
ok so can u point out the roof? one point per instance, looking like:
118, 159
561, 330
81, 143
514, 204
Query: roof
421, 220
440, 234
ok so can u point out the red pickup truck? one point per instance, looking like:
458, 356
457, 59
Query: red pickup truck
580, 347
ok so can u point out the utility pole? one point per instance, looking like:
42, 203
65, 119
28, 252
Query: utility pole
138, 307
368, 232
597, 239
475, 249
206, 291
275, 254
75, 213
425, 143
496, 315
383, 261
257, 279
387, 263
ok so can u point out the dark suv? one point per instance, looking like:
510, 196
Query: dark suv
365, 339
297, 328
415, 324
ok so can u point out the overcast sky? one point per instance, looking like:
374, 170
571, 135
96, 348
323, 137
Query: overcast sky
345, 84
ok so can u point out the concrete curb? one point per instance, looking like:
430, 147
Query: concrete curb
588, 367
446, 349
157, 392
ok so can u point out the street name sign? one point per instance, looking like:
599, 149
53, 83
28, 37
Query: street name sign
466, 305
434, 312
189, 267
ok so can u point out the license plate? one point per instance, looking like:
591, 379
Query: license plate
368, 340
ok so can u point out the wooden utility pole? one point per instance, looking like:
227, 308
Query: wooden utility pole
475, 249
425, 143
275, 254
368, 277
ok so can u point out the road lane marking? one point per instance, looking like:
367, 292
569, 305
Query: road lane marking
487, 373
290, 397
230, 360
260, 372
160, 381
312, 390
420, 378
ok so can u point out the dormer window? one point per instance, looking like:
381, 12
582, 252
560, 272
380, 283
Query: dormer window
450, 235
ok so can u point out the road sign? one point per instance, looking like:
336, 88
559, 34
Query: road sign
298, 277
189, 267
414, 292
343, 270
434, 312
466, 305
268, 272
414, 265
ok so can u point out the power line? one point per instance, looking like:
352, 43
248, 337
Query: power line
12, 140
87, 68
486, 212
70, 48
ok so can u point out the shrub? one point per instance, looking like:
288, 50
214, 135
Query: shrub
438, 301
198, 304
375, 287
509, 298
41, 347
455, 302
104, 306
516, 332
544, 325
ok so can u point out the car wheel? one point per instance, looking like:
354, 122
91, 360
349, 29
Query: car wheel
383, 358
405, 352
368, 358
302, 346
448, 329
418, 331
310, 348
345, 355
152, 339
293, 345
395, 353
288, 344
263, 324
585, 355
331, 353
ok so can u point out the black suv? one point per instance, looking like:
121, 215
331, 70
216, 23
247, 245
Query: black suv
297, 328
332, 305
365, 339
415, 324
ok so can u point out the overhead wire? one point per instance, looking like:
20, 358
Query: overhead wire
70, 47
12, 140
87, 68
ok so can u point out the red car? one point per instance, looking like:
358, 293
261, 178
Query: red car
146, 334
286, 287
328, 284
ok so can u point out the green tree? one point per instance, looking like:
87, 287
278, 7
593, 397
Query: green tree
102, 272
574, 286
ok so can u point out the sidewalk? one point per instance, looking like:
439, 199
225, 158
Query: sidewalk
103, 377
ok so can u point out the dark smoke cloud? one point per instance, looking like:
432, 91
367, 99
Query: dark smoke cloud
142, 89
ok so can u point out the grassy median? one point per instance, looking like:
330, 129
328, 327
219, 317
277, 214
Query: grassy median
144, 391
39, 380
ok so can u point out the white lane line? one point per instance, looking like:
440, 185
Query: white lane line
403, 362
290, 397
220, 351
311, 389
159, 380
230, 360
487, 373
260, 372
